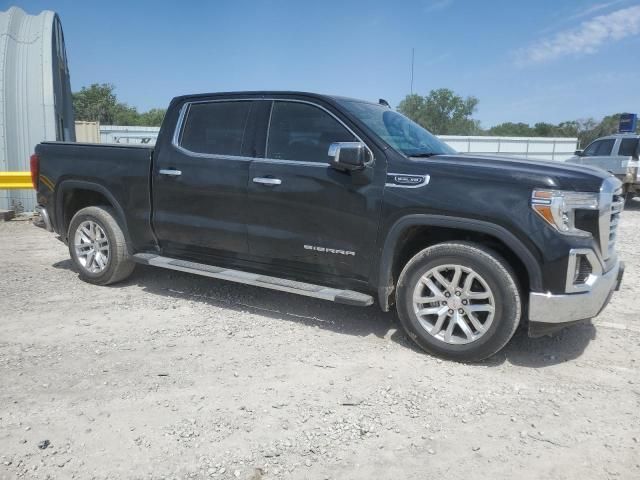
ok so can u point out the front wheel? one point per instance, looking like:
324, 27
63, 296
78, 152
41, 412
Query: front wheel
98, 247
459, 301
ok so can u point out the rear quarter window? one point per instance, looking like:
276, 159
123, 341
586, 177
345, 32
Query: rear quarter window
628, 147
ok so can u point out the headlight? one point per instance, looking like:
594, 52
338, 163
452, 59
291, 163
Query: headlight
558, 208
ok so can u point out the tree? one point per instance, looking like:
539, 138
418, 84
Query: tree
592, 130
413, 106
510, 129
543, 129
442, 112
98, 103
153, 117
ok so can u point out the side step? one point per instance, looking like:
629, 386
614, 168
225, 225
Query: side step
348, 297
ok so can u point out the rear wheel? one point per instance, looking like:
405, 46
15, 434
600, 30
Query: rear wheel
629, 196
98, 247
459, 301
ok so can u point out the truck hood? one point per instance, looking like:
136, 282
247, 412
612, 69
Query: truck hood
534, 173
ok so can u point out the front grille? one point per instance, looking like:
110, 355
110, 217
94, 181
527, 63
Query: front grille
617, 205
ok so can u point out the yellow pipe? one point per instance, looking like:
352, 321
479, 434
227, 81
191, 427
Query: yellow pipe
15, 180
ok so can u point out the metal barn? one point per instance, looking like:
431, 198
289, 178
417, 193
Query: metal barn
35, 93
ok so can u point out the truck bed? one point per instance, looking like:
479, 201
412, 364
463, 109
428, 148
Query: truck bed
122, 171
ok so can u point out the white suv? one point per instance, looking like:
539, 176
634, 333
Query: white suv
618, 154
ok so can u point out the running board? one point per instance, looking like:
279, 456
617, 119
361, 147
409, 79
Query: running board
347, 297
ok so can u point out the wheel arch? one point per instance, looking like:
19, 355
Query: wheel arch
443, 228
69, 187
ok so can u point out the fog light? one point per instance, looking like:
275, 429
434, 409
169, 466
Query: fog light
583, 270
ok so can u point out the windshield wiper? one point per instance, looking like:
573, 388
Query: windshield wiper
423, 154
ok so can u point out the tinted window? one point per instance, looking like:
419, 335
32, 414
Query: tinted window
628, 147
299, 131
216, 127
599, 148
605, 147
590, 151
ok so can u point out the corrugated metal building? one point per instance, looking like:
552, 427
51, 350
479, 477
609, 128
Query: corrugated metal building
88, 132
35, 93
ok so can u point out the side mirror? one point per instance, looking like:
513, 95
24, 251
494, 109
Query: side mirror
348, 156
578, 153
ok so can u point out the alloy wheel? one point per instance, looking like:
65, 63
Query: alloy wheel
454, 304
92, 246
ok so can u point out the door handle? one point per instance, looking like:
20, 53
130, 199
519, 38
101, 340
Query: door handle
267, 181
170, 172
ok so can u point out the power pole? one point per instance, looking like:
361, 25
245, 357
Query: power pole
413, 51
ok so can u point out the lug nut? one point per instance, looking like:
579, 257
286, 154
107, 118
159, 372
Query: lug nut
458, 294
444, 304
450, 312
460, 310
464, 302
447, 294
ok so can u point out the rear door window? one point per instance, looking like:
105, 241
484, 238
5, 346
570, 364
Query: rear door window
216, 128
628, 147
303, 132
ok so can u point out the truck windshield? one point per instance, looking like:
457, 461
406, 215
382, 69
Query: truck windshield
402, 134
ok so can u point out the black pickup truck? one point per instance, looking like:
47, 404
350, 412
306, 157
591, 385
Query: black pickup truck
344, 200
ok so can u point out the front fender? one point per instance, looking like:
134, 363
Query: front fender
385, 277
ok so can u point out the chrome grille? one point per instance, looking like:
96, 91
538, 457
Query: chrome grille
611, 203
617, 205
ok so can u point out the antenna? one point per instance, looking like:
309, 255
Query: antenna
413, 51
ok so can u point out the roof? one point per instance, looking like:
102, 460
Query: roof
273, 93
619, 135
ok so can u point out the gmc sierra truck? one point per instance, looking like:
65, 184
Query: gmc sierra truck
343, 200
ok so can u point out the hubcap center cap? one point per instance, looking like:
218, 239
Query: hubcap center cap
454, 303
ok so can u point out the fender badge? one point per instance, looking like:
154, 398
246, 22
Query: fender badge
406, 180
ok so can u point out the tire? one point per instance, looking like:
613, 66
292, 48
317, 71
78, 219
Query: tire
490, 307
628, 197
95, 229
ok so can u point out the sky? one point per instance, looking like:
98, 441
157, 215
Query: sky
525, 60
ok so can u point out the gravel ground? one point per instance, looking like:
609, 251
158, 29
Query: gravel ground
169, 375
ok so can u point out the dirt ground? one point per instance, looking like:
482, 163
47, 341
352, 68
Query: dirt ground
170, 375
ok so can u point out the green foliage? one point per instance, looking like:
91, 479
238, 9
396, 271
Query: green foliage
510, 129
587, 130
153, 117
98, 103
442, 112
445, 113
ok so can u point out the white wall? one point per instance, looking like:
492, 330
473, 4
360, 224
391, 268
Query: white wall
558, 149
540, 148
124, 134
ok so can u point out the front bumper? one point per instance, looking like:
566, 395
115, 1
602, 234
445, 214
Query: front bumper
548, 312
